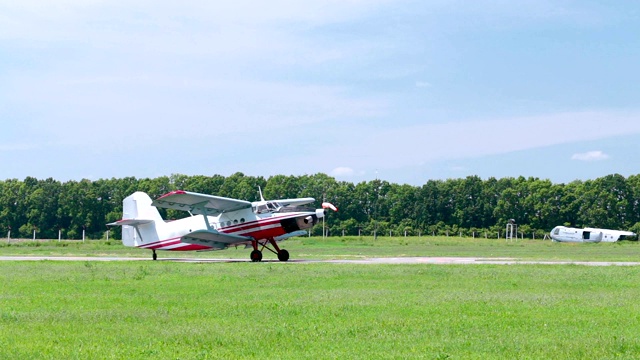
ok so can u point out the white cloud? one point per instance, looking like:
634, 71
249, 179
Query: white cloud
458, 168
16, 147
70, 20
90, 112
142, 68
342, 172
401, 146
221, 79
590, 156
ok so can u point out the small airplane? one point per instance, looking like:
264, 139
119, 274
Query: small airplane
567, 234
216, 222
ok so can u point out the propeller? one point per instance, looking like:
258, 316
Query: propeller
327, 205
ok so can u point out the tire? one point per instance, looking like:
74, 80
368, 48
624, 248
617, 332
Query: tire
256, 255
283, 255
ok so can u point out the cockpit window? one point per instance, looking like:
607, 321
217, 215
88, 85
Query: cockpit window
261, 209
273, 206
267, 207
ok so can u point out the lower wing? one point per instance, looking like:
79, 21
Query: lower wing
213, 239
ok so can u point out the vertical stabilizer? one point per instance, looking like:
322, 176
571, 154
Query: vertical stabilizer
141, 222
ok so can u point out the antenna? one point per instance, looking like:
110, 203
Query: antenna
260, 191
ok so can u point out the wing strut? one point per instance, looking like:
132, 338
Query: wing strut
201, 206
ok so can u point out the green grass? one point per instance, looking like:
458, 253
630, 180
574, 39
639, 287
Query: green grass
167, 310
359, 247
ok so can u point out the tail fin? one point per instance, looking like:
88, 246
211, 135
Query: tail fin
140, 222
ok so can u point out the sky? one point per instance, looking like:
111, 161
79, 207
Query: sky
404, 91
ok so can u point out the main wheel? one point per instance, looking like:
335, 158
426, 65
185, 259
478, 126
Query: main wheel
256, 255
283, 255
155, 257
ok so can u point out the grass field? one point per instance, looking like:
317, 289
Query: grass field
358, 247
169, 310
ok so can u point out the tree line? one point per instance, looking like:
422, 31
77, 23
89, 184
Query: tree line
469, 206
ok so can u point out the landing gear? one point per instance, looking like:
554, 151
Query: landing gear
283, 255
155, 256
256, 254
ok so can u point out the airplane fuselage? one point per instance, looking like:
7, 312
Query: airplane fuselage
567, 234
243, 223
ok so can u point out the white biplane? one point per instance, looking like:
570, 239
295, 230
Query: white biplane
215, 223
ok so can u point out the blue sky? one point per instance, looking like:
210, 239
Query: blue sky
405, 91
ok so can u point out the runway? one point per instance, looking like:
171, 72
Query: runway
386, 260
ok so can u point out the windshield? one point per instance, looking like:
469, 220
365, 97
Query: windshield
274, 206
266, 208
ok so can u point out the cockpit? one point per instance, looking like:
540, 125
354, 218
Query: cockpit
267, 207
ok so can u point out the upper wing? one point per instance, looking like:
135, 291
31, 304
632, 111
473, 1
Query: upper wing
200, 204
295, 202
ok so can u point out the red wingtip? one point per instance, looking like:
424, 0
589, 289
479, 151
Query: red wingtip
175, 192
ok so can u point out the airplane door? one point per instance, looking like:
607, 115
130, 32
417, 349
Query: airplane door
592, 236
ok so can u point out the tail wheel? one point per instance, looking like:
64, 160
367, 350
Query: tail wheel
283, 255
256, 255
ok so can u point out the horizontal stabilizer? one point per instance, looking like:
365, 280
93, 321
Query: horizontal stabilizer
213, 239
130, 222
